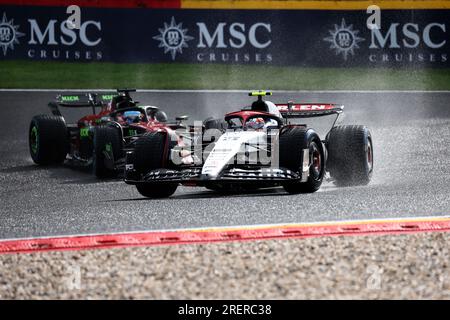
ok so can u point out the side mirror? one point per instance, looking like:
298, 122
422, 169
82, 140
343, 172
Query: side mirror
182, 118
161, 116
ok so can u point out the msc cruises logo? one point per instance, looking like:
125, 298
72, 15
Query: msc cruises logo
344, 39
173, 38
9, 34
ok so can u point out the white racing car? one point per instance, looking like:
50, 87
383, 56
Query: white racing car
264, 145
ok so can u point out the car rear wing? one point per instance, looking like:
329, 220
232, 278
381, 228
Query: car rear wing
84, 100
304, 110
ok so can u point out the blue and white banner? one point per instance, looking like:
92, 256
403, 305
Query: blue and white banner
316, 38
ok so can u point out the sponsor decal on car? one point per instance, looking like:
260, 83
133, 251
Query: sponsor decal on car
106, 97
84, 132
70, 98
305, 107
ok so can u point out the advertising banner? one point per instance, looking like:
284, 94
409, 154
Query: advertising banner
310, 38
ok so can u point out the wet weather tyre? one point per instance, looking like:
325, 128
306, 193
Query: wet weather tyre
151, 153
292, 143
350, 155
48, 139
108, 146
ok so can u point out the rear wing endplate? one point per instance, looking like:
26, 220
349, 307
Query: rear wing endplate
297, 110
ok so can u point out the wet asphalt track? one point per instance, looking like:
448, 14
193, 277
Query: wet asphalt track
411, 133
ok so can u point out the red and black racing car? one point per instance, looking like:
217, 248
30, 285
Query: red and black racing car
100, 139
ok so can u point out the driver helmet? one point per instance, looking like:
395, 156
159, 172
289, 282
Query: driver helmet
256, 123
132, 116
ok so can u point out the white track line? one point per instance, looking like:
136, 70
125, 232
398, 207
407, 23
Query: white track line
228, 91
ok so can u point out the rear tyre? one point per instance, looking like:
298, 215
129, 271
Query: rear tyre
48, 139
292, 143
151, 153
350, 155
107, 144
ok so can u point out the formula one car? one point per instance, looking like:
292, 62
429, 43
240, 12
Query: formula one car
100, 139
265, 145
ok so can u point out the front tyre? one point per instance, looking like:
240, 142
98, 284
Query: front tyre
156, 191
292, 143
151, 153
350, 155
48, 139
